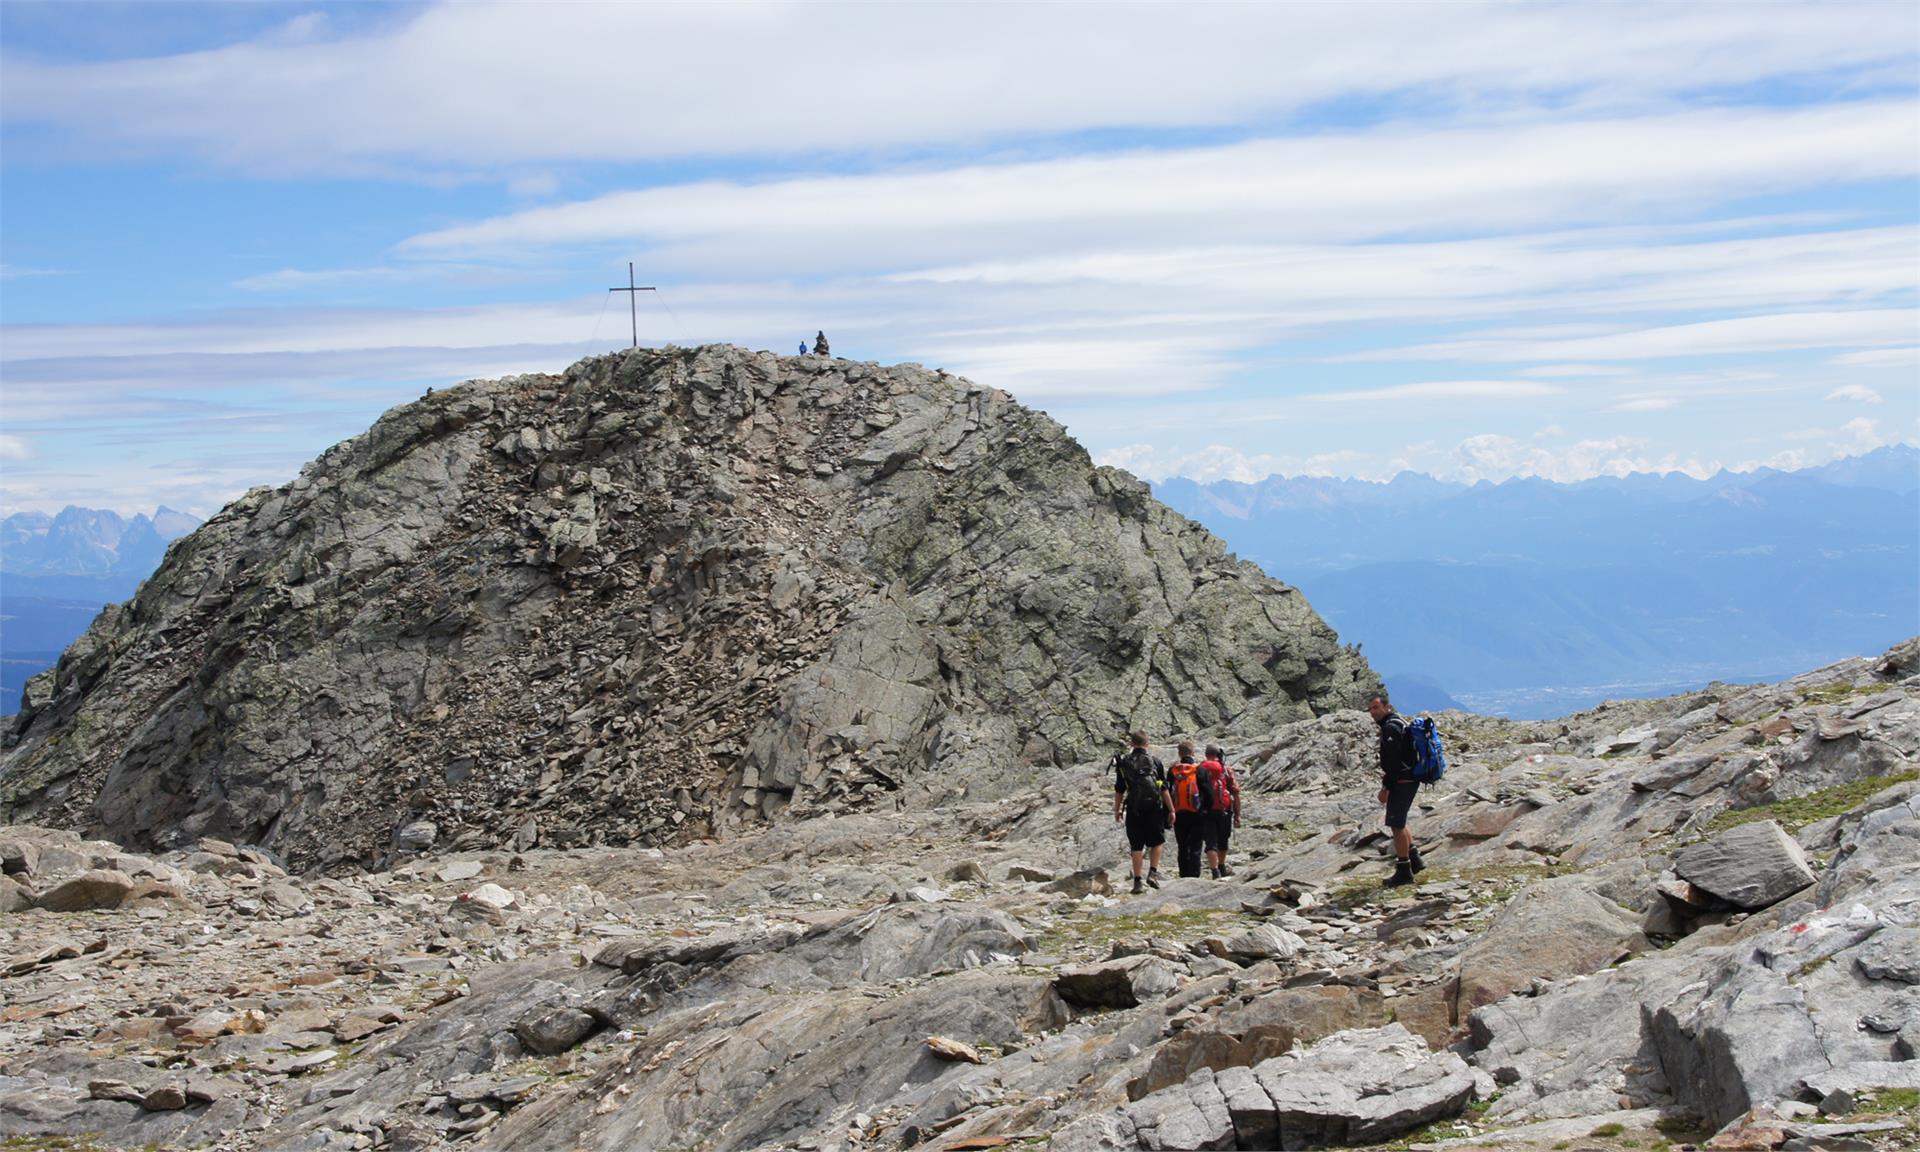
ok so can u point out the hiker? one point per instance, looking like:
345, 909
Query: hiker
1140, 794
819, 343
803, 347
1189, 812
1397, 786
1224, 788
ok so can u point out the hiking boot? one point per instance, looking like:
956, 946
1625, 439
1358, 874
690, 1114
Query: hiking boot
1225, 870
1402, 874
1153, 878
1418, 864
1138, 887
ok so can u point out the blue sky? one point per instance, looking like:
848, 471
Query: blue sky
1480, 240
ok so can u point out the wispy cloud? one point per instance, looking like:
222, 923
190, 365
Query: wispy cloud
14, 447
1880, 358
1501, 178
401, 96
1444, 390
1780, 332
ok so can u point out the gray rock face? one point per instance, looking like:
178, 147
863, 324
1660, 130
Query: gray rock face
1357, 1087
516, 598
1749, 866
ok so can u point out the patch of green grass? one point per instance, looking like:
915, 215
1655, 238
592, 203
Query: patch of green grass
1801, 811
86, 1143
1835, 693
1082, 930
1684, 1127
1905, 1101
1610, 1129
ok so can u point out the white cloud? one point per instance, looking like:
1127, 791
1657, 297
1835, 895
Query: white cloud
1646, 404
479, 85
1491, 456
1880, 358
14, 447
1858, 393
1862, 434
1221, 462
1859, 434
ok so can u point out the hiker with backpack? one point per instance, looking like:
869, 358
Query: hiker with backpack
1140, 796
1409, 756
1190, 810
1220, 788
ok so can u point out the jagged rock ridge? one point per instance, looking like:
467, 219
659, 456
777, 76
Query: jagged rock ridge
662, 594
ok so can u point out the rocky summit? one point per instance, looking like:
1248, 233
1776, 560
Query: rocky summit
1680, 923
666, 595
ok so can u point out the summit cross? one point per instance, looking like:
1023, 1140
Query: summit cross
633, 293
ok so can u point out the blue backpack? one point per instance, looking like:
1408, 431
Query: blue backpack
1429, 758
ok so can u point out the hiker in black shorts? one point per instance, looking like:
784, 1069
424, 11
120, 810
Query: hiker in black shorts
1397, 786
1140, 797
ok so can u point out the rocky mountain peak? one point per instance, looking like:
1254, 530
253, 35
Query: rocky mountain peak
668, 593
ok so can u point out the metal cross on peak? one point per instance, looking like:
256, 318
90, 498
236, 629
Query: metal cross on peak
633, 292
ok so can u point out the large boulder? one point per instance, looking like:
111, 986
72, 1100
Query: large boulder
1123, 983
1749, 865
97, 888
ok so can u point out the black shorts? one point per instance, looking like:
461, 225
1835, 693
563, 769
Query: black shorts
1216, 829
1147, 829
1400, 802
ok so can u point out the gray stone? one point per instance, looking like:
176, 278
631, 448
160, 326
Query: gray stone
1750, 865
417, 836
1191, 1116
1116, 983
96, 889
1892, 954
1101, 1132
1253, 944
550, 1033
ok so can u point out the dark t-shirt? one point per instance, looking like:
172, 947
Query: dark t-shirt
1158, 775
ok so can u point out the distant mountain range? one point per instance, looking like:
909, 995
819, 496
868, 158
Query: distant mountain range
57, 572
1531, 597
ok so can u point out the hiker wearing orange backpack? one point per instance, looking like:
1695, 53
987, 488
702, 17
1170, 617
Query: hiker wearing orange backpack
1189, 813
1220, 790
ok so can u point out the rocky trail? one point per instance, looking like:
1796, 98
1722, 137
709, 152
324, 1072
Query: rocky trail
1672, 923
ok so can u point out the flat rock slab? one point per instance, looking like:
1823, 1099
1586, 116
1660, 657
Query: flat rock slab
1839, 1089
1892, 954
1749, 866
1362, 1086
